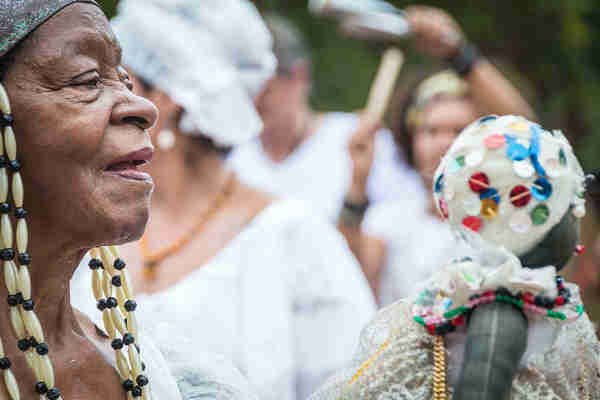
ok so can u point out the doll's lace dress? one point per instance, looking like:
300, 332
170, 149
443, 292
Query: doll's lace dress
394, 361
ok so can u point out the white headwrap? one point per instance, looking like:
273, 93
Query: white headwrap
210, 56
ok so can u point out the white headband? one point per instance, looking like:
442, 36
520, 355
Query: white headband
211, 57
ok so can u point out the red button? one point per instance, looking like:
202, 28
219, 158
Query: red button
520, 196
478, 182
473, 223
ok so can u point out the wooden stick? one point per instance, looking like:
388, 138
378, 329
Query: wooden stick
384, 83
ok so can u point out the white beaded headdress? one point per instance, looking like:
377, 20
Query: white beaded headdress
509, 180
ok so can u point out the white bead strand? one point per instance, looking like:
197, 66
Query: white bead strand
9, 378
4, 102
24, 321
113, 284
10, 143
11, 385
17, 189
22, 236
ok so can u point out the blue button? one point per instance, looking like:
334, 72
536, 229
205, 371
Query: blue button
490, 193
439, 183
542, 189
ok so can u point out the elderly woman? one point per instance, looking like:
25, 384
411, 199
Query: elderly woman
255, 279
497, 323
81, 134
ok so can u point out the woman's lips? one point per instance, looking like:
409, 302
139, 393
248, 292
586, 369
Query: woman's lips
128, 165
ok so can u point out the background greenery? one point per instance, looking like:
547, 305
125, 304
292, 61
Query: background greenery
550, 47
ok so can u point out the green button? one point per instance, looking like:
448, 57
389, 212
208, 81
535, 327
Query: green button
540, 214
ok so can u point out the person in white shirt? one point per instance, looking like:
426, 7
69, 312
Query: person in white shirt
425, 121
302, 153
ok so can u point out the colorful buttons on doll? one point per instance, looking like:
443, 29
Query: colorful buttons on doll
516, 151
523, 169
494, 141
472, 205
562, 157
520, 222
490, 194
579, 211
443, 208
520, 196
449, 192
541, 189
475, 157
487, 118
472, 223
489, 208
478, 182
554, 168
455, 165
439, 184
540, 214
519, 126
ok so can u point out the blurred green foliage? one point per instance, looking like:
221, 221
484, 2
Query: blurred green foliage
551, 48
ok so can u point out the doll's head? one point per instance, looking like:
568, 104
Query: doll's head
517, 185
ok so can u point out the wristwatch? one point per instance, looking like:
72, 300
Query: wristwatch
352, 214
466, 58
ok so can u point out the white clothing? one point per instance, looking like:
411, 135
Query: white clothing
285, 300
319, 171
210, 59
417, 244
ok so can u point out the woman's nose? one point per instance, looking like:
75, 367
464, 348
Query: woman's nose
135, 110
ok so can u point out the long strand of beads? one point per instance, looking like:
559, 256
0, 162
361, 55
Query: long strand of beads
114, 299
24, 321
9, 378
439, 369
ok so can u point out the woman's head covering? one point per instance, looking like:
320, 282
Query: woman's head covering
211, 57
509, 180
18, 18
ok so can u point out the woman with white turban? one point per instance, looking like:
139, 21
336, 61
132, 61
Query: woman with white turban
257, 280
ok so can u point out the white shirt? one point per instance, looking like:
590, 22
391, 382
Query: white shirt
417, 244
285, 301
319, 171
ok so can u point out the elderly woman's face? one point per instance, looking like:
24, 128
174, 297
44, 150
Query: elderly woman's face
80, 130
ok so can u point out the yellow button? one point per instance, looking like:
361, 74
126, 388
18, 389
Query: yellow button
489, 208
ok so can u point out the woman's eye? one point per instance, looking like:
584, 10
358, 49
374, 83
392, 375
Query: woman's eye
90, 82
93, 83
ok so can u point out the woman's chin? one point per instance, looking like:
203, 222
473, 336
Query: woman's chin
128, 224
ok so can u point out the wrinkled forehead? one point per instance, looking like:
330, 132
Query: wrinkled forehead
77, 29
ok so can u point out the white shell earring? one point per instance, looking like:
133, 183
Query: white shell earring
165, 139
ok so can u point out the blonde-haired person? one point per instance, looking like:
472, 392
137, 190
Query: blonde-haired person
255, 279
68, 118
